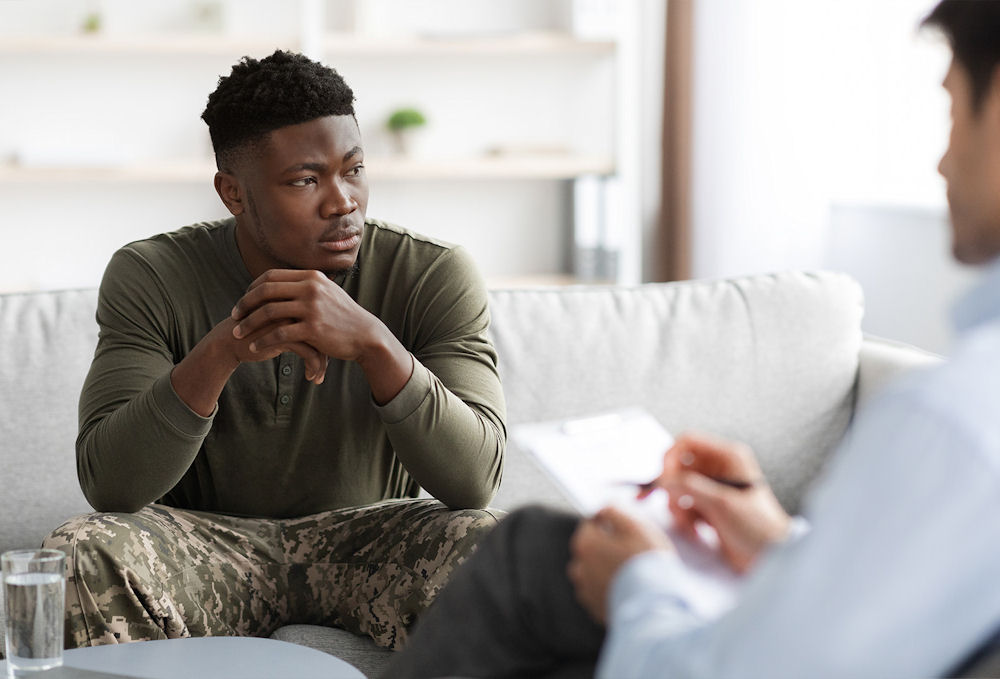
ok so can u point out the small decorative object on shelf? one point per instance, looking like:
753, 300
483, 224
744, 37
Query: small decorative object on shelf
91, 23
403, 124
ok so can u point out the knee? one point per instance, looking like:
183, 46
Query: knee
84, 531
466, 528
480, 522
535, 529
96, 543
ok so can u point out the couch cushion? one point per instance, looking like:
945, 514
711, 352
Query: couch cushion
359, 651
770, 360
48, 343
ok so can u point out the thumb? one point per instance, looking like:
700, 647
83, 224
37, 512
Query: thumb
615, 519
706, 496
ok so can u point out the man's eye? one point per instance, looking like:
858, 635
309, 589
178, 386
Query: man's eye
303, 181
356, 170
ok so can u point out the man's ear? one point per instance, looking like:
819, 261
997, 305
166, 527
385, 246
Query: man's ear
228, 188
994, 91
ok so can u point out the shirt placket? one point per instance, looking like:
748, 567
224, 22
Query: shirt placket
284, 400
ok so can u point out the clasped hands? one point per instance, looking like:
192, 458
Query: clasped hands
306, 313
746, 520
301, 311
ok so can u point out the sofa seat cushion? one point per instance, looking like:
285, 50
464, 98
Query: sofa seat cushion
359, 651
770, 360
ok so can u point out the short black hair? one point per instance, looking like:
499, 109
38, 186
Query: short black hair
973, 30
258, 97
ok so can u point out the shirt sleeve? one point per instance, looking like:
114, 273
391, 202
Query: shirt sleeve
447, 424
895, 578
137, 438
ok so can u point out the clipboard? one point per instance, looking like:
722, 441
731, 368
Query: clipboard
597, 460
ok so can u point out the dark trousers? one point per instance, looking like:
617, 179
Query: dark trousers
510, 611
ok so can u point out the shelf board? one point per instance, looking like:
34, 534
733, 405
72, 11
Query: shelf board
153, 44
339, 44
548, 166
534, 43
521, 166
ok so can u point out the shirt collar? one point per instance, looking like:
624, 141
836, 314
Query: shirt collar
982, 302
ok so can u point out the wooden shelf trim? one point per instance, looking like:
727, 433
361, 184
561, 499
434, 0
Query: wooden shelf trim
379, 169
347, 44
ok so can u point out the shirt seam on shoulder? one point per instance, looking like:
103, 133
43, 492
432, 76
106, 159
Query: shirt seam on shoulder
157, 280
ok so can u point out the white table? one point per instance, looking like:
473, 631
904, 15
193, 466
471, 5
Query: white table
204, 658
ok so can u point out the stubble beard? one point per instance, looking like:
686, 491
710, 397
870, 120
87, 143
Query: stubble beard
265, 245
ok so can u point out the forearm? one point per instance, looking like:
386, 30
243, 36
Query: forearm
454, 450
647, 606
135, 454
386, 363
200, 377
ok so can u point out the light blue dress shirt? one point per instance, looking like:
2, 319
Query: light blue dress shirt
900, 574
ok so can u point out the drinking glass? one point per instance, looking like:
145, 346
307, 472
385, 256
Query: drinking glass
34, 582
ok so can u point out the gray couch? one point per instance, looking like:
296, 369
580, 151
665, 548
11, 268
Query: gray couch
778, 361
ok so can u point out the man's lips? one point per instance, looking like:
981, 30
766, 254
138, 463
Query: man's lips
340, 242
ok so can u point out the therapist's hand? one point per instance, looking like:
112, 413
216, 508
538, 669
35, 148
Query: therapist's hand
746, 520
599, 548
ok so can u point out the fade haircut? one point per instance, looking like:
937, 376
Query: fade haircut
973, 31
258, 97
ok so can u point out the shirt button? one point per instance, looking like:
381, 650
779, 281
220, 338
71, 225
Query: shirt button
285, 398
286, 370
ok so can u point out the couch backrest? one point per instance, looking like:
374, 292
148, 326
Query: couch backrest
767, 359
770, 360
48, 343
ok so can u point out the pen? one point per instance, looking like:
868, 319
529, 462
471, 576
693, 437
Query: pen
732, 483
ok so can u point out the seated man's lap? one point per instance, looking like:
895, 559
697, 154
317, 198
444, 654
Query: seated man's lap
166, 573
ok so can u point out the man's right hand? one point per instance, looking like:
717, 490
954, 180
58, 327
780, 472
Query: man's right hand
315, 362
200, 377
747, 520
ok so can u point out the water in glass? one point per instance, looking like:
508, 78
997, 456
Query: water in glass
34, 608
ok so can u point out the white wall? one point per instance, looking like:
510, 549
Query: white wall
902, 258
817, 130
101, 109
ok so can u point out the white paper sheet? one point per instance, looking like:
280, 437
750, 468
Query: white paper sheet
597, 461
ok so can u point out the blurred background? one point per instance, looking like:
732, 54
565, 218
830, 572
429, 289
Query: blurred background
560, 141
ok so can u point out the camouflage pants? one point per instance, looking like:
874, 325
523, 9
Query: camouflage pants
164, 573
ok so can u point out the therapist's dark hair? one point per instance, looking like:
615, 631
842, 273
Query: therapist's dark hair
973, 30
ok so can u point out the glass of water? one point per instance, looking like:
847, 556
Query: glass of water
34, 582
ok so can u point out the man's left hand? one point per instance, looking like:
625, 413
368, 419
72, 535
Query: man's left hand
307, 307
599, 548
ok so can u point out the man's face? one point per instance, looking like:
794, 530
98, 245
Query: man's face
971, 167
306, 194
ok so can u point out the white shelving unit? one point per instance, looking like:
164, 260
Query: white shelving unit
517, 116
510, 167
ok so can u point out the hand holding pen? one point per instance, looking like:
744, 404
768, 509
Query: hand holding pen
719, 483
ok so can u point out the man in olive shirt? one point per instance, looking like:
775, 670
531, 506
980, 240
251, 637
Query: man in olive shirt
267, 386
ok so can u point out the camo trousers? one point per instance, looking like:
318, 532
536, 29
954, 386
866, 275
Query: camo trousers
163, 573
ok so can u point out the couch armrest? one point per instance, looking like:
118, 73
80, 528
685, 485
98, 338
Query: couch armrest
882, 360
3, 621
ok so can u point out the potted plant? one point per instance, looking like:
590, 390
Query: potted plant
403, 124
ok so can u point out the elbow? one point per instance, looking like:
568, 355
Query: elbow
103, 496
117, 508
466, 491
111, 502
479, 493
471, 499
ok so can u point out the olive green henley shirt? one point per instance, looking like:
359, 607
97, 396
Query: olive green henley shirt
277, 445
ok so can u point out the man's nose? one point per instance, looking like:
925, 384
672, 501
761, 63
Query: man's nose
338, 200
